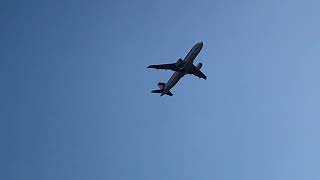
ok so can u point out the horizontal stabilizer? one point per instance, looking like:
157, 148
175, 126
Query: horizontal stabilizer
157, 91
161, 86
169, 93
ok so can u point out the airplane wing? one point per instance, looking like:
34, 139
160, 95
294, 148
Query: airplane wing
200, 74
171, 66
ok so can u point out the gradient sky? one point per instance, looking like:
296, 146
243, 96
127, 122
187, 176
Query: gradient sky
75, 101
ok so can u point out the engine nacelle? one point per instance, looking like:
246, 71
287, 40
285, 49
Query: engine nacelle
199, 66
179, 63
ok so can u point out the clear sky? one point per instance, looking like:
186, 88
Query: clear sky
75, 101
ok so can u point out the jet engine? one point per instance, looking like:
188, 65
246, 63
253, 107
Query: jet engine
179, 63
199, 66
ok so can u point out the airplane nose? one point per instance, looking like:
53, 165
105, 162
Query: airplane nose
200, 43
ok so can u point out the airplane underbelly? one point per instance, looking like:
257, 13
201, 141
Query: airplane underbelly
173, 80
188, 66
190, 58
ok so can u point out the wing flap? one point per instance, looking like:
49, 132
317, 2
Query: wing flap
171, 66
200, 74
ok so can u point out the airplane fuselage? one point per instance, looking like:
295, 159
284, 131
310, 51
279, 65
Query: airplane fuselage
187, 68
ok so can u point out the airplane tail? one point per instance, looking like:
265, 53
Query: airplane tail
161, 86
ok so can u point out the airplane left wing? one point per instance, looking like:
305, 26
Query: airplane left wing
171, 66
200, 74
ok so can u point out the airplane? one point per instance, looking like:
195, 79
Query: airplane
180, 68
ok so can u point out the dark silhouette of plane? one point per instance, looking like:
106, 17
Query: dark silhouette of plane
180, 68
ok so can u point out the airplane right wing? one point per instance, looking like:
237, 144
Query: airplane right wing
171, 66
200, 74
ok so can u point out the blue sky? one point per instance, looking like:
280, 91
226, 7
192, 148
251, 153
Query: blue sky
76, 102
